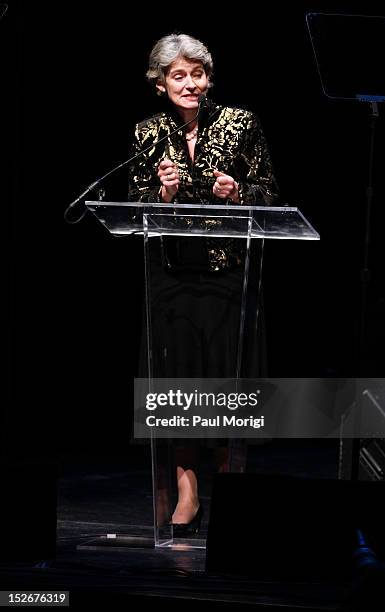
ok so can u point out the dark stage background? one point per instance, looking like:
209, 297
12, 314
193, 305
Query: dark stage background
73, 88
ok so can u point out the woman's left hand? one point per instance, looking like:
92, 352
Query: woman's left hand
225, 187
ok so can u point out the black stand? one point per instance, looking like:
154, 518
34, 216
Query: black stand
345, 70
365, 272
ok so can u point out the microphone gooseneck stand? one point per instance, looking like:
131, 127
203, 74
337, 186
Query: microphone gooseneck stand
93, 185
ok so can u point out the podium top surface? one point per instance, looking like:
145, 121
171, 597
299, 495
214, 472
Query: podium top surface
217, 220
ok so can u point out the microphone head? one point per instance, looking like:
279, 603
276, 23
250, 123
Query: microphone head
202, 101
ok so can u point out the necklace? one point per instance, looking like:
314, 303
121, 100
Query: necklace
192, 135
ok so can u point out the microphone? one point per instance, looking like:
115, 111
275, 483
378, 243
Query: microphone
202, 103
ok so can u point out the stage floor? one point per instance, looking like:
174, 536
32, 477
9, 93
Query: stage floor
112, 495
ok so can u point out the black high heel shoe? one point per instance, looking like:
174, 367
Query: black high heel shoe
184, 530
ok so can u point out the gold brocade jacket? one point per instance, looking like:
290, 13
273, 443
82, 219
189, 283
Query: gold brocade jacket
230, 140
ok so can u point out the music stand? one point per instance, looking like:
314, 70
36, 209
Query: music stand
349, 52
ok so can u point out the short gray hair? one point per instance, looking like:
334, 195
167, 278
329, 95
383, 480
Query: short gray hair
169, 48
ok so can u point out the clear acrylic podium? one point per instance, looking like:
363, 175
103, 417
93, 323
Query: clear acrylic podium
196, 241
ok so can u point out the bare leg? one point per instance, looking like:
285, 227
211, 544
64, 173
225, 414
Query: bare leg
188, 499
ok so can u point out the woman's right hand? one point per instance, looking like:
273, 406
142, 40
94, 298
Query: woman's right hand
169, 177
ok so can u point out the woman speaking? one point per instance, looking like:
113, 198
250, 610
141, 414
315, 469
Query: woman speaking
220, 157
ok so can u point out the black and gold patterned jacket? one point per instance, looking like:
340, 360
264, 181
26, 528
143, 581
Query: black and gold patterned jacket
230, 140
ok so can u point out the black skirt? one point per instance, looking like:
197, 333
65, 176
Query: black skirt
195, 319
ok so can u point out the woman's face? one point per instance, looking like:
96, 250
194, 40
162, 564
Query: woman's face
185, 81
